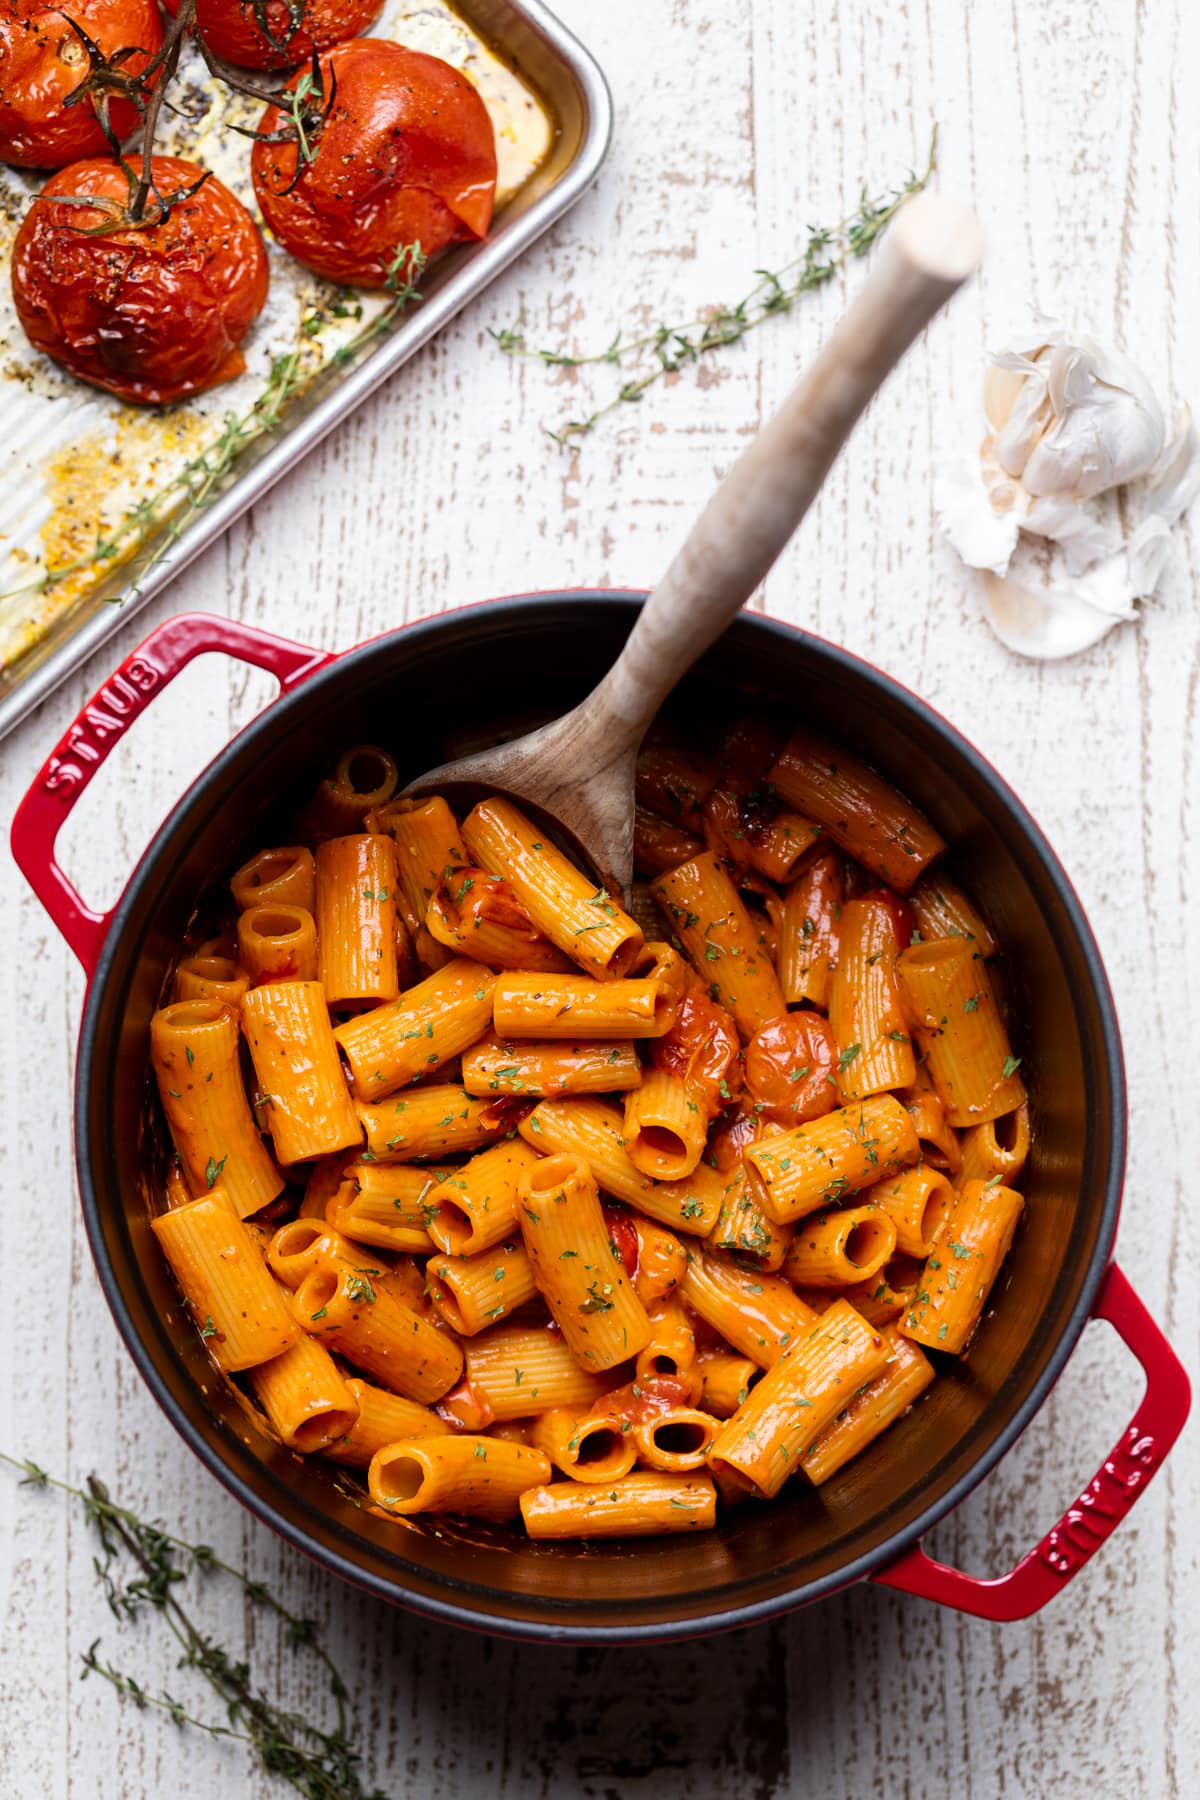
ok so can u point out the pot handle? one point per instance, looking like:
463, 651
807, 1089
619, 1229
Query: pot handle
1121, 1479
100, 725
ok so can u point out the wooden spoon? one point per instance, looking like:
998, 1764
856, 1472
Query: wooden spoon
577, 772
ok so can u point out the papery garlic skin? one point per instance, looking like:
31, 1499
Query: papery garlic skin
1076, 448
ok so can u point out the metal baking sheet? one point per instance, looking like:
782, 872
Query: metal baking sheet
94, 492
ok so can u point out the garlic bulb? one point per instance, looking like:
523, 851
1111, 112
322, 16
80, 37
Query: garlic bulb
1069, 423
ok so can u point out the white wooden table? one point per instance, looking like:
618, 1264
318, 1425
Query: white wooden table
738, 123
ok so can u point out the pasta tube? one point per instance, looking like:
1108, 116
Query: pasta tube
665, 1130
840, 1248
675, 783
590, 1449
644, 1504
476, 914
580, 1278
302, 1245
809, 931
581, 918
520, 1369
566, 1066
428, 848
742, 1225
998, 1147
277, 878
671, 1347
858, 810
571, 1006
959, 1030
237, 1306
194, 1054
476, 1206
307, 1402
871, 1410
472, 1292
658, 845
660, 1264
758, 1315
429, 1121
296, 1061
365, 778
725, 1381
805, 1390
676, 1439
277, 943
866, 1012
391, 1046
957, 1278
716, 931
366, 1323
943, 911
383, 1418
819, 1163
939, 1141
324, 1180
386, 1204
917, 1203
746, 822
479, 1477
595, 1131
356, 920
176, 1190
210, 978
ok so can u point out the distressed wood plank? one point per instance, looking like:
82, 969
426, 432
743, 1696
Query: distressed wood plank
738, 124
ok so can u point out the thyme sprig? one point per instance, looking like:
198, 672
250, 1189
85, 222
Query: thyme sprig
198, 481
668, 348
141, 1566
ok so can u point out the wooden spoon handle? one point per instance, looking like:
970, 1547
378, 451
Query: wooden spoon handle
932, 247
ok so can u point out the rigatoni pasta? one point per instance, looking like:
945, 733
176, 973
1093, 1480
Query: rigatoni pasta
583, 920
355, 911
957, 1024
573, 1224
308, 1106
194, 1055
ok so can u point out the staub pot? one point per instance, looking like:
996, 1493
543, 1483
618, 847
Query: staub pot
505, 664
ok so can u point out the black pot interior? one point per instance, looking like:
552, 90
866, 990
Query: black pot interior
508, 664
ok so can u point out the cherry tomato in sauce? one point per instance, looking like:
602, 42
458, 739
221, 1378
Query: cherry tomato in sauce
43, 59
791, 1067
733, 1134
621, 1233
277, 34
151, 313
703, 1048
405, 155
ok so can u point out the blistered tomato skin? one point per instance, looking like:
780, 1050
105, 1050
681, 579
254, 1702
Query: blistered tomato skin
232, 29
791, 1069
151, 315
406, 155
43, 60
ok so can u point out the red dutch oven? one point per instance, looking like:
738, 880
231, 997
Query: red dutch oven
505, 664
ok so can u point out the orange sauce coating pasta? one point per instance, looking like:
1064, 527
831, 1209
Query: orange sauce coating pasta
651, 1217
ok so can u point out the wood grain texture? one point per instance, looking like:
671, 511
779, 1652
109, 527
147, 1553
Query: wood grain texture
1072, 126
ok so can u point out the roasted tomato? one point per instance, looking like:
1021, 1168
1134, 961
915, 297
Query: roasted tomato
702, 1047
406, 155
791, 1067
733, 1134
277, 34
43, 59
150, 313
